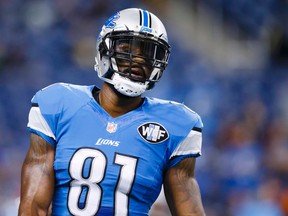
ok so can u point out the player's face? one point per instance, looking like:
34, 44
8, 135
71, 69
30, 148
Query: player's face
135, 58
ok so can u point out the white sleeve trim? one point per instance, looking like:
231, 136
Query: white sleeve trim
192, 144
38, 122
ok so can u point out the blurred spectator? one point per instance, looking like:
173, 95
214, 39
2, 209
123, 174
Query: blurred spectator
265, 203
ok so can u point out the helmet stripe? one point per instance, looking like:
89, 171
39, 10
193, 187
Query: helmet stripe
140, 14
150, 23
145, 18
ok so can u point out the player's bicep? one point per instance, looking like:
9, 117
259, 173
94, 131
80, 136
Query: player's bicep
182, 190
37, 177
40, 154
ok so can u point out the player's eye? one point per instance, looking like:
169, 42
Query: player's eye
122, 45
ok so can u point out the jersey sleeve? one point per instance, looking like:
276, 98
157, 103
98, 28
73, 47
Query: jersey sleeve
38, 125
44, 114
190, 145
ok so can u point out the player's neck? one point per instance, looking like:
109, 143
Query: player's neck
116, 104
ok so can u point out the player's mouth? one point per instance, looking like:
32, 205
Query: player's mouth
136, 73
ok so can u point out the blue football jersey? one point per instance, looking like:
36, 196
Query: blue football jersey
105, 165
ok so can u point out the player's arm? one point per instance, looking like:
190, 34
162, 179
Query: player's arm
182, 191
37, 178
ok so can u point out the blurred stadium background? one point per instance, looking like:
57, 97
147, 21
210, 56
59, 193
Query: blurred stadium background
229, 63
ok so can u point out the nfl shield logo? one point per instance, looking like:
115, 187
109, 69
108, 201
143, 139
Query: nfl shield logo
111, 127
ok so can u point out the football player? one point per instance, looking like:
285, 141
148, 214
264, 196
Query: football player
108, 151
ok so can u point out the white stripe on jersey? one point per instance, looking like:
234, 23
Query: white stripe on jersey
192, 144
37, 122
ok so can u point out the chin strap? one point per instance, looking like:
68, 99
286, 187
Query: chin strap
126, 87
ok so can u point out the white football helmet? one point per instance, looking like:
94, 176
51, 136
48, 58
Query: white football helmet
132, 51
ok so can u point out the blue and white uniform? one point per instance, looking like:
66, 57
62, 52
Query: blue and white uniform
105, 165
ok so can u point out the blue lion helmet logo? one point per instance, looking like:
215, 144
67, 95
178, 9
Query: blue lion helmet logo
110, 23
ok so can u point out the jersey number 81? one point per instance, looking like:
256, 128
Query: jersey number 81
95, 177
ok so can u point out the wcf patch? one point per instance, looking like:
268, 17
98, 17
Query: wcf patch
153, 132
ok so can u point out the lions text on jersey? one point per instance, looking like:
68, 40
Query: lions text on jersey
105, 165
